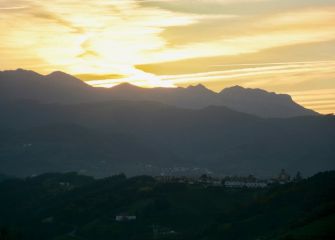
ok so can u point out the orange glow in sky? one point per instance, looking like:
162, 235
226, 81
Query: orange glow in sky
286, 46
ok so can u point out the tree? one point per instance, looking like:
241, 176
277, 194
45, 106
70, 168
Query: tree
5, 234
298, 177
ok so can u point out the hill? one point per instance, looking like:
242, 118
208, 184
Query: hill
70, 207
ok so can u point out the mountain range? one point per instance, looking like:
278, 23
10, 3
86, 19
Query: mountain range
59, 87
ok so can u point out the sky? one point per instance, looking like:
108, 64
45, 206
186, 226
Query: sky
285, 46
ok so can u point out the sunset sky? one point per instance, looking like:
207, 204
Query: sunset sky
287, 46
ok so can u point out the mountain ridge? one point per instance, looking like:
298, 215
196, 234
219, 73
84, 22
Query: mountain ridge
64, 88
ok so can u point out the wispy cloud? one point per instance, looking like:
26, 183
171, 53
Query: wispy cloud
105, 40
253, 74
12, 8
322, 100
276, 76
255, 70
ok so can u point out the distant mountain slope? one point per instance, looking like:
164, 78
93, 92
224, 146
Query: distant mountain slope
262, 103
55, 87
69, 147
60, 87
145, 137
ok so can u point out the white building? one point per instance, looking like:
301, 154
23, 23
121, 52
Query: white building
242, 184
123, 218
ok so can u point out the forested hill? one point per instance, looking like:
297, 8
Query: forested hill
73, 207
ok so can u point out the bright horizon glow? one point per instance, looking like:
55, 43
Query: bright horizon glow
285, 46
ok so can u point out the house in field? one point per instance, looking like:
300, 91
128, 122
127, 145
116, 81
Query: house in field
125, 218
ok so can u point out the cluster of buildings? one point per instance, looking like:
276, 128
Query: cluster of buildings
207, 180
245, 184
231, 182
204, 179
125, 218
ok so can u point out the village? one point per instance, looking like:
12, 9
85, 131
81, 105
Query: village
206, 180
231, 181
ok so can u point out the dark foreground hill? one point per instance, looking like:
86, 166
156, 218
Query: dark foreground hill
60, 87
73, 207
106, 138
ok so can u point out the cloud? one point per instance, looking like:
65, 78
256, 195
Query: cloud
316, 77
250, 71
247, 34
13, 8
321, 100
261, 74
99, 77
120, 33
202, 1
147, 42
199, 6
48, 16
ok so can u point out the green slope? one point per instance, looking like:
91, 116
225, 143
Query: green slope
71, 206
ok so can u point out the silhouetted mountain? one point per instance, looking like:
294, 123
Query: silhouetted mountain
262, 103
61, 78
60, 87
147, 137
55, 87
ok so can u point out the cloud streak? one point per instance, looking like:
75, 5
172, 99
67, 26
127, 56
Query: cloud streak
12, 8
106, 41
294, 75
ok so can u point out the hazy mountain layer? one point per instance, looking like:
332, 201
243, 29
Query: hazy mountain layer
144, 137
